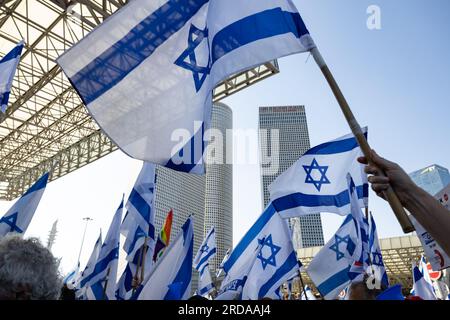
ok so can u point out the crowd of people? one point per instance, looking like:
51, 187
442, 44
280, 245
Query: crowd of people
29, 271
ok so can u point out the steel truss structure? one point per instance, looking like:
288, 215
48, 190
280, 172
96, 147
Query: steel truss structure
46, 126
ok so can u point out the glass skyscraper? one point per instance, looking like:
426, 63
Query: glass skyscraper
290, 121
432, 179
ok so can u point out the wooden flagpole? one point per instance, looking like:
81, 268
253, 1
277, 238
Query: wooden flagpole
136, 279
389, 194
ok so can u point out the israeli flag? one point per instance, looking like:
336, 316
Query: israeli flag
147, 73
19, 216
421, 287
205, 283
70, 279
376, 259
309, 294
426, 275
329, 269
317, 181
8, 67
206, 251
171, 276
225, 257
81, 290
102, 279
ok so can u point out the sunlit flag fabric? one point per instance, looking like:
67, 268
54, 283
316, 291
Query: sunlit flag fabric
8, 67
137, 227
164, 237
171, 276
81, 290
317, 181
149, 70
422, 288
329, 269
19, 216
102, 279
376, 259
309, 294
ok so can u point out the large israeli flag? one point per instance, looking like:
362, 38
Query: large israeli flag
19, 216
171, 276
147, 73
102, 279
8, 67
317, 181
329, 270
81, 290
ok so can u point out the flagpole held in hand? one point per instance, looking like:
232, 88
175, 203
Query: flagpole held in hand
389, 194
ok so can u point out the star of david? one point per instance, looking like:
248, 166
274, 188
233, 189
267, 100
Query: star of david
200, 73
350, 246
322, 170
11, 221
377, 259
274, 249
204, 248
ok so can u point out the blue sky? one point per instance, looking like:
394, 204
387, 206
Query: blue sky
397, 81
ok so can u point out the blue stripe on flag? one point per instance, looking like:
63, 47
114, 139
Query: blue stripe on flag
271, 23
144, 210
40, 184
310, 200
334, 147
101, 266
205, 258
205, 289
334, 281
125, 55
13, 54
249, 237
287, 266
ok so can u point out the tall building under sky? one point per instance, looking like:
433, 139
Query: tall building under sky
432, 179
290, 121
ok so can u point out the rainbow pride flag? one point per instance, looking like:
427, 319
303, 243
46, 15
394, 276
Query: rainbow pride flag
163, 237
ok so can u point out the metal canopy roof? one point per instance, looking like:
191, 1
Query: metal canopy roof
398, 254
46, 126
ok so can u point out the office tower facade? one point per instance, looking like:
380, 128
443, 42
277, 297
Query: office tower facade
291, 130
432, 179
219, 185
207, 197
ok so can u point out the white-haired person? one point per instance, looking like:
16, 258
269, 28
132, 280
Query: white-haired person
28, 270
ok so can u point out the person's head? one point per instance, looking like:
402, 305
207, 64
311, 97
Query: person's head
28, 271
360, 291
67, 294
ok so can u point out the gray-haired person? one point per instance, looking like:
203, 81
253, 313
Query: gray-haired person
28, 271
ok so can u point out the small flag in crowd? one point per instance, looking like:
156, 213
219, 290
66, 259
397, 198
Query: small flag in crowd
309, 294
421, 287
81, 290
70, 279
206, 251
164, 237
133, 71
19, 216
317, 181
8, 67
171, 277
205, 283
376, 259
101, 282
225, 257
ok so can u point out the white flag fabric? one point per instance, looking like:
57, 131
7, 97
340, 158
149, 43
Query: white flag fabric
309, 294
71, 278
376, 259
329, 270
225, 257
171, 276
206, 251
275, 263
8, 67
81, 291
426, 275
104, 274
19, 216
205, 283
421, 288
317, 181
147, 73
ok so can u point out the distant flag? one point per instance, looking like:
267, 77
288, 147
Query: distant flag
220, 269
422, 288
309, 294
101, 281
70, 278
133, 71
81, 291
137, 228
426, 275
206, 251
164, 237
376, 259
329, 269
8, 67
317, 181
19, 216
205, 283
172, 275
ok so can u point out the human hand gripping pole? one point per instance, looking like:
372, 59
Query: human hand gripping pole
389, 194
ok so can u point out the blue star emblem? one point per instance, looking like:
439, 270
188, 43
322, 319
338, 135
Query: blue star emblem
200, 73
11, 221
350, 247
377, 259
204, 248
274, 249
322, 170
